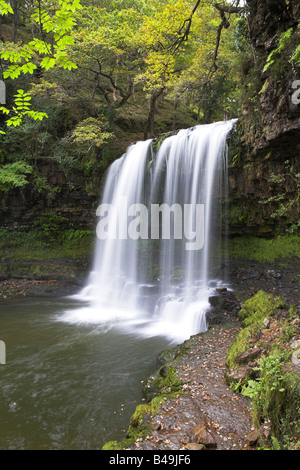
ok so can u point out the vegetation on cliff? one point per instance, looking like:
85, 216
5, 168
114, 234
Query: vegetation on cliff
260, 366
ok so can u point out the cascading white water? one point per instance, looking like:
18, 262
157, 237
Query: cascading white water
146, 276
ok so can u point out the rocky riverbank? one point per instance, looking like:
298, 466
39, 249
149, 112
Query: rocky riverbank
208, 415
189, 402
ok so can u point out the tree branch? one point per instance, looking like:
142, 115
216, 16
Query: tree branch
227, 9
224, 24
184, 31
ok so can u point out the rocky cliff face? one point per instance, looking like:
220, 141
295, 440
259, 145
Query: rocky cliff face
263, 176
21, 208
271, 110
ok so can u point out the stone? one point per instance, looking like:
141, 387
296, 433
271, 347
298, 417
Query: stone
251, 438
241, 374
216, 301
295, 344
200, 435
248, 356
194, 446
296, 357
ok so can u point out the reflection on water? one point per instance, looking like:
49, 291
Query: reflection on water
68, 385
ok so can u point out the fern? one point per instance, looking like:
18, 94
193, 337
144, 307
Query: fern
275, 442
283, 42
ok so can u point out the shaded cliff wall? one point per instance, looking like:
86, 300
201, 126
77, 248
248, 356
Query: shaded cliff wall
264, 172
68, 198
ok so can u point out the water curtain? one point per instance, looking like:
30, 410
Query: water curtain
160, 234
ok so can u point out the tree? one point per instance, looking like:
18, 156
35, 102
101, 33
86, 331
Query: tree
46, 50
187, 57
88, 58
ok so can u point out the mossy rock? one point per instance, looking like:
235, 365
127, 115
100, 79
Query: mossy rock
252, 315
164, 382
260, 306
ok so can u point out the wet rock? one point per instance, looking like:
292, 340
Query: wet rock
146, 419
194, 446
274, 274
224, 305
248, 356
295, 344
251, 438
221, 289
241, 374
216, 301
296, 357
200, 435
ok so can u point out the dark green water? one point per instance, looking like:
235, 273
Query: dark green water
64, 385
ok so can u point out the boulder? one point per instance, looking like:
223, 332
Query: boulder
248, 356
251, 438
194, 446
200, 435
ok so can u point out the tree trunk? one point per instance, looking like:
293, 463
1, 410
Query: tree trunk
15, 23
150, 124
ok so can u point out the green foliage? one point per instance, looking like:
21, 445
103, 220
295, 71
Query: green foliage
273, 389
284, 40
52, 226
14, 175
296, 55
264, 250
285, 206
267, 392
21, 109
78, 63
58, 25
275, 398
5, 8
47, 51
92, 132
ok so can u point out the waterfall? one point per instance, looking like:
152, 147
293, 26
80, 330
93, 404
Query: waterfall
159, 234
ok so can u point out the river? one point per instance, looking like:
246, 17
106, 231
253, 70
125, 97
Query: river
68, 385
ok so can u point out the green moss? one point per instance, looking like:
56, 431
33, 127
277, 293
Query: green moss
274, 390
260, 306
254, 311
34, 245
164, 382
113, 445
237, 216
263, 250
139, 425
239, 345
